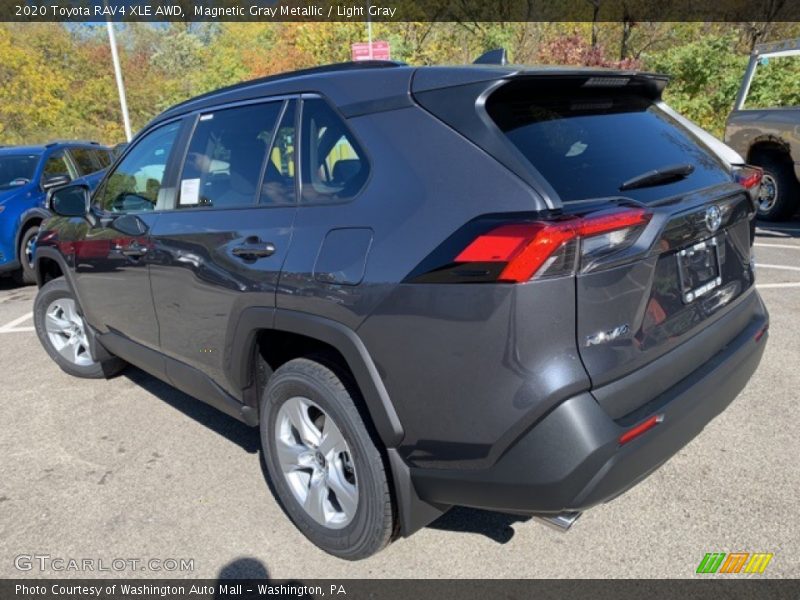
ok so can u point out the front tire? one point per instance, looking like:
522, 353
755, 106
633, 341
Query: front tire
778, 196
26, 274
62, 331
326, 470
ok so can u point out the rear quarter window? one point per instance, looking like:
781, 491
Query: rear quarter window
587, 141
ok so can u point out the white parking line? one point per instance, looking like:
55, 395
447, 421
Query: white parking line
762, 286
789, 246
779, 267
772, 229
11, 327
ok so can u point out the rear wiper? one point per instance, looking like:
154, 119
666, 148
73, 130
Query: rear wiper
658, 176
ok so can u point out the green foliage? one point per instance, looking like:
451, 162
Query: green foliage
57, 81
704, 78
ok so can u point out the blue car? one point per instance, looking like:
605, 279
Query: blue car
26, 173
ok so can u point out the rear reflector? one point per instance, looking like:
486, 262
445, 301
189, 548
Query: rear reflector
761, 333
640, 429
527, 248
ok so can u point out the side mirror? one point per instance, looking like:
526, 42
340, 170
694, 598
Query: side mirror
70, 201
55, 181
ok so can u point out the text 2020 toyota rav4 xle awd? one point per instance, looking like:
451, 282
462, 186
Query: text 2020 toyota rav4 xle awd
519, 289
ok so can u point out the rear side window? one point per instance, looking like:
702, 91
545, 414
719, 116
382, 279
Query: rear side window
334, 168
225, 157
587, 142
85, 160
102, 157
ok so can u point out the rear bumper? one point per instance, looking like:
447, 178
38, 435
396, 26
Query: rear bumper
571, 459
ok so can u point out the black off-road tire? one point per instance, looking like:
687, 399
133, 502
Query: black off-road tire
25, 275
778, 172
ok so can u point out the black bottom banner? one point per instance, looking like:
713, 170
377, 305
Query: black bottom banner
379, 589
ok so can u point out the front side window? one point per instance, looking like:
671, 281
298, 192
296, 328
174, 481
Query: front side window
225, 157
137, 182
334, 166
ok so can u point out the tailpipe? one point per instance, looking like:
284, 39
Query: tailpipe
561, 521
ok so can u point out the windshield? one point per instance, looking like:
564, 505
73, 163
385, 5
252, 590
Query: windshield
17, 170
587, 142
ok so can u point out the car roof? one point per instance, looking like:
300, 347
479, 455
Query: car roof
364, 86
17, 150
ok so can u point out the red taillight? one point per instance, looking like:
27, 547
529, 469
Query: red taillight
527, 247
748, 176
524, 247
643, 427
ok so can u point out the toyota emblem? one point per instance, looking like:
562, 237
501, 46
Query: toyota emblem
713, 218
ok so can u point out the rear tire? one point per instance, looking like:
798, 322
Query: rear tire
326, 470
62, 331
26, 274
780, 189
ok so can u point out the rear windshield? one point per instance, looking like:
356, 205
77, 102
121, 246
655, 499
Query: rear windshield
587, 142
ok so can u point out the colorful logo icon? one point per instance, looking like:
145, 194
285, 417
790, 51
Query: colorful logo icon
736, 562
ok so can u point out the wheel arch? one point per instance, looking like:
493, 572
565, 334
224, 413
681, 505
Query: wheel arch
413, 513
242, 363
30, 218
769, 144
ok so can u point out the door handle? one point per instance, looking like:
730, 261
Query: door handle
133, 250
254, 250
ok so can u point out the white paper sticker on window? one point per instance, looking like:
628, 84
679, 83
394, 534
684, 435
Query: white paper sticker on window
190, 191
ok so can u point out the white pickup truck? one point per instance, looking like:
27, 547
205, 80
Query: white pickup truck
770, 139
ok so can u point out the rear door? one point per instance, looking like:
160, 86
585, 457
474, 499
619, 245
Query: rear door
221, 247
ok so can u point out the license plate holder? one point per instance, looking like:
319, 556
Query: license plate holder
699, 269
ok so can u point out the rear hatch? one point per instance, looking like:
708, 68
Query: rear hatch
661, 228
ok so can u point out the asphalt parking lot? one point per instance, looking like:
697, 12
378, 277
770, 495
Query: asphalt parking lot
131, 468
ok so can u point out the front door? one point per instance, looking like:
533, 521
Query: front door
222, 246
112, 257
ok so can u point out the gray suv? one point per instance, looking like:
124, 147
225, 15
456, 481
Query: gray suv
518, 289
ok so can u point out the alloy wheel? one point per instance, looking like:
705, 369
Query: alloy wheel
29, 250
316, 462
67, 332
768, 194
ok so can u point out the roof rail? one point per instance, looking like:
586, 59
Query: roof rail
56, 142
345, 66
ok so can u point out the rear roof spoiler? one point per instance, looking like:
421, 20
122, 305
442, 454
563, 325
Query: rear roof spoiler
434, 78
492, 57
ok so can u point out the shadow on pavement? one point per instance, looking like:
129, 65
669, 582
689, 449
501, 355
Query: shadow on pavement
495, 526
785, 229
255, 573
240, 434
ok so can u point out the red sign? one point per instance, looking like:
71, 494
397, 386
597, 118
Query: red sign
380, 51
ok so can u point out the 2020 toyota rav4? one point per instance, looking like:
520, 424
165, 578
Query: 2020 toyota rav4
519, 289
26, 173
